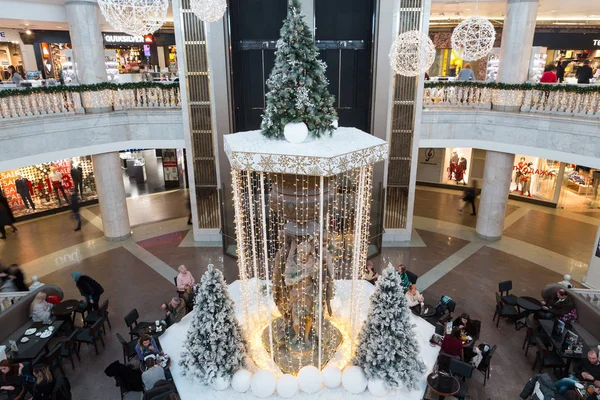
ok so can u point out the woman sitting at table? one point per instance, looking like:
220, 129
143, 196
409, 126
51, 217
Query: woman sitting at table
452, 345
465, 324
146, 346
413, 296
12, 382
41, 310
44, 383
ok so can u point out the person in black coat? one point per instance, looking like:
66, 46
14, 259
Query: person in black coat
89, 289
75, 209
77, 176
560, 71
6, 216
584, 73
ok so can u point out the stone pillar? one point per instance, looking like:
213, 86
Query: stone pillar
111, 196
88, 49
494, 195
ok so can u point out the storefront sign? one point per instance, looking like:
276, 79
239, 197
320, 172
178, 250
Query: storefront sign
3, 37
566, 41
111, 38
534, 171
596, 42
430, 164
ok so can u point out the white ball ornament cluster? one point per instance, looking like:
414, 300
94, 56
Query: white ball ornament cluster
354, 379
221, 383
287, 386
208, 10
473, 38
412, 53
295, 132
309, 379
135, 17
332, 377
263, 383
240, 382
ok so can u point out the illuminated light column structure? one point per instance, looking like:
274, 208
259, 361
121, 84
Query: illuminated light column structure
302, 217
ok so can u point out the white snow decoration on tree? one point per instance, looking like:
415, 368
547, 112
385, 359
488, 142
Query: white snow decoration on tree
412, 53
214, 346
387, 345
208, 10
473, 38
135, 17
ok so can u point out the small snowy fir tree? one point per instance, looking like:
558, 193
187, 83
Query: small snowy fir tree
214, 346
297, 84
387, 345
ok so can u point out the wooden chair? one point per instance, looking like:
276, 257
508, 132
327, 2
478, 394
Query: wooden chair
135, 327
547, 358
505, 311
93, 316
504, 288
460, 369
485, 366
91, 335
128, 348
530, 336
69, 348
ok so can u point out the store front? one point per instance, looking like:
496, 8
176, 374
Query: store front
10, 53
152, 171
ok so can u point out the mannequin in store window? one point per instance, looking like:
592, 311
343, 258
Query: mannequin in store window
519, 173
56, 182
461, 169
24, 189
526, 180
77, 176
453, 164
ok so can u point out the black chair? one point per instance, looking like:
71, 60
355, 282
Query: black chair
443, 361
412, 277
505, 311
135, 327
161, 391
91, 335
439, 329
52, 359
128, 348
485, 366
179, 292
69, 348
81, 309
461, 369
530, 335
94, 316
504, 288
451, 306
547, 358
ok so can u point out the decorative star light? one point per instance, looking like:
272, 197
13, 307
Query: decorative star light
209, 10
473, 38
412, 53
135, 17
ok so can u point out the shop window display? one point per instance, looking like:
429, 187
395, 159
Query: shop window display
44, 187
457, 170
534, 177
580, 187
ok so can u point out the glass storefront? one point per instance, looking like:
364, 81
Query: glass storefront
534, 177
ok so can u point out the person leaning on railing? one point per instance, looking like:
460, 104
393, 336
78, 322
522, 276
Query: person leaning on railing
466, 74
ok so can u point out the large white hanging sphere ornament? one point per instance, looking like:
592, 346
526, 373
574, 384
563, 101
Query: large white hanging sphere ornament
309, 379
135, 17
221, 383
412, 53
209, 10
332, 377
354, 379
473, 38
295, 132
240, 382
287, 386
377, 388
263, 383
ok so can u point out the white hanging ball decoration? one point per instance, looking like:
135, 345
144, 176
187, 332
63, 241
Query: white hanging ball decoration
221, 383
263, 383
332, 377
473, 38
208, 10
309, 379
287, 386
135, 17
295, 132
354, 379
377, 388
240, 382
412, 53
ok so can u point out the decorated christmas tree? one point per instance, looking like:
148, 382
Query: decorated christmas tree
214, 346
387, 345
297, 84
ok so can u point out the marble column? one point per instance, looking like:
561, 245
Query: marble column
111, 196
494, 195
88, 48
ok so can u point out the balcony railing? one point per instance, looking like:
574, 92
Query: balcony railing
21, 103
9, 298
554, 99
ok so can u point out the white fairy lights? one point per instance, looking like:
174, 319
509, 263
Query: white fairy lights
412, 53
208, 10
473, 38
135, 17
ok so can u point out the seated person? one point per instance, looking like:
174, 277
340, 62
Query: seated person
465, 324
370, 275
413, 296
146, 346
404, 276
558, 306
41, 310
185, 280
12, 381
44, 383
153, 372
452, 345
175, 310
588, 370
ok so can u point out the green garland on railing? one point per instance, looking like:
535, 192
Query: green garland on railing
580, 89
86, 88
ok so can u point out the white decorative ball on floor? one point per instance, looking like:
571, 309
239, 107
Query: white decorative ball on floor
377, 387
295, 132
332, 377
473, 38
221, 383
287, 386
309, 379
335, 123
241, 381
263, 383
354, 379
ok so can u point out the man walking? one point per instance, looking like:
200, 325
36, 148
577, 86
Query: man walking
89, 289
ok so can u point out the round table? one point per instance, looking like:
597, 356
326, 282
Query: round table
529, 303
443, 385
151, 330
65, 307
429, 310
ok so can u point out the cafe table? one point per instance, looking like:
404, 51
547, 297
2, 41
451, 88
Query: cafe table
64, 310
442, 384
35, 345
530, 305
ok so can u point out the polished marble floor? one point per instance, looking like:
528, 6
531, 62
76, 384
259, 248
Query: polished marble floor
539, 246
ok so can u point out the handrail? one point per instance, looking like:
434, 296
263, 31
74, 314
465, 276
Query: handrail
7, 299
